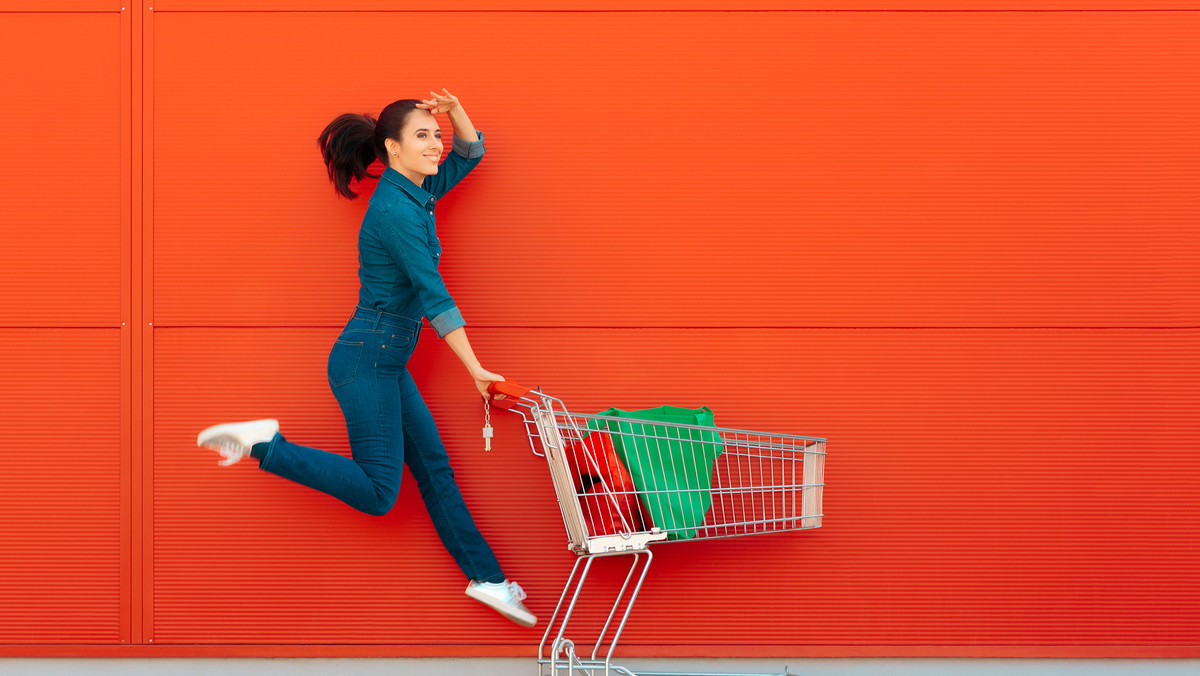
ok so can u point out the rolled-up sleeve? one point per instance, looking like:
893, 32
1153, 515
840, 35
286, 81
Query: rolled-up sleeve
447, 321
469, 150
406, 239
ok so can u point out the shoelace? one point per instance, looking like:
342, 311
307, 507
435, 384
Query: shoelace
518, 594
231, 452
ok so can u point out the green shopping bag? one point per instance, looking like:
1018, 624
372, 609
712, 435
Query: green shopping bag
671, 466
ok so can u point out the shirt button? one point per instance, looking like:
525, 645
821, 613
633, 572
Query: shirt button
431, 213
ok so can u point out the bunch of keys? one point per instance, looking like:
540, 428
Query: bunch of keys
487, 425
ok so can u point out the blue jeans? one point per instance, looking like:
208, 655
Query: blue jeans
388, 424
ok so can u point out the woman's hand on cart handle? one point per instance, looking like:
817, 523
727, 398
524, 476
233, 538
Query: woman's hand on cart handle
483, 378
507, 389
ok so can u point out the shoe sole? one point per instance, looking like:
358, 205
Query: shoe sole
525, 620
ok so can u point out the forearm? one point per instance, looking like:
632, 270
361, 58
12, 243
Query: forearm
462, 124
457, 340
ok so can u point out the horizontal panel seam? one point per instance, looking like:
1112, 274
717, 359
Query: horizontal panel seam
710, 327
649, 643
343, 10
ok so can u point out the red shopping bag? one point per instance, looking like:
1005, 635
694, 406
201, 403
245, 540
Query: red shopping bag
594, 466
603, 510
595, 456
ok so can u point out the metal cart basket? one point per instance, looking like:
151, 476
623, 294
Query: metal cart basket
623, 484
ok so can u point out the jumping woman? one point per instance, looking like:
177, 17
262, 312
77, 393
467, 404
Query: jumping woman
386, 419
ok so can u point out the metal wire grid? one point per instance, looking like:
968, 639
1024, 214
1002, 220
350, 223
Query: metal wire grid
755, 484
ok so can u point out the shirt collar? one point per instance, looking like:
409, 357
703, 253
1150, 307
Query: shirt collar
416, 192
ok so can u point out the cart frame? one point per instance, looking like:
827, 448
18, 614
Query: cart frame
747, 502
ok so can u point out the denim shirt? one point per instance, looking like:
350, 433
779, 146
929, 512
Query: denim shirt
398, 246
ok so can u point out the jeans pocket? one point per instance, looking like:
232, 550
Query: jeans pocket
400, 339
343, 362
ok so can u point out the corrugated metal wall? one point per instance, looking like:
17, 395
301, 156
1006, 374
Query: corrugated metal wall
962, 245
64, 266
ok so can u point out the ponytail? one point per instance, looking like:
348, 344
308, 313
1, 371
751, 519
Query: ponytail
352, 142
347, 146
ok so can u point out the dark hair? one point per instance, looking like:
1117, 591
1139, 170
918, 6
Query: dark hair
352, 142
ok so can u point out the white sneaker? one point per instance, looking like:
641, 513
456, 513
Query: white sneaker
505, 598
234, 440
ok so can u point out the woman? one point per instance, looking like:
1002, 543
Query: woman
387, 421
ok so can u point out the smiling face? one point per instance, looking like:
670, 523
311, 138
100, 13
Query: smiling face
420, 147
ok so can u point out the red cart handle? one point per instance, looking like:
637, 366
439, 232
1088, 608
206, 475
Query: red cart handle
505, 393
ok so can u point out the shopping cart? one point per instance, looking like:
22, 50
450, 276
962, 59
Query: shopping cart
676, 482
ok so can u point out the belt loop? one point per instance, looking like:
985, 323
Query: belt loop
378, 316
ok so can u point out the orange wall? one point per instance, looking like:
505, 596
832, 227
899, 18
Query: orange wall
960, 244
